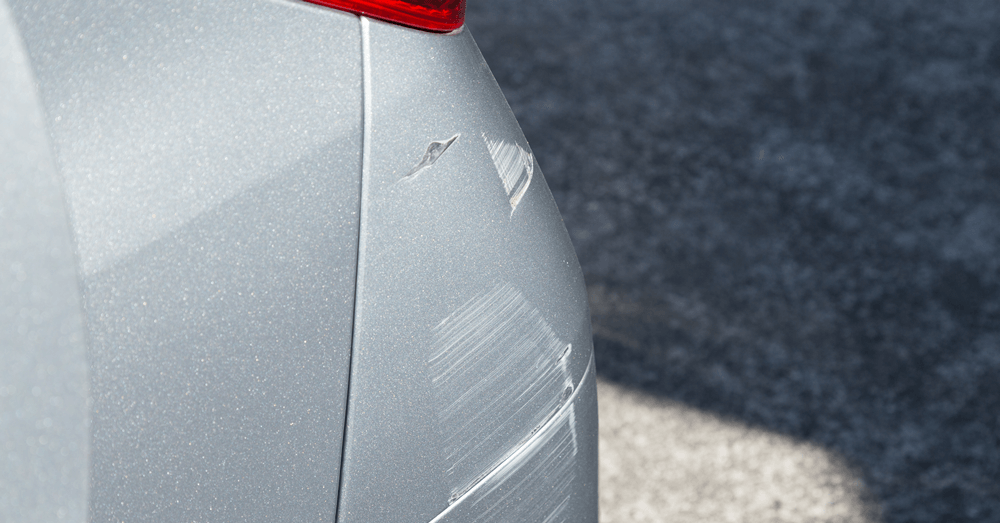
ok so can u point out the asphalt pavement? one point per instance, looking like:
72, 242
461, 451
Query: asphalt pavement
788, 214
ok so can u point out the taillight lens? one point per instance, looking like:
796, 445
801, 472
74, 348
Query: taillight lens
431, 15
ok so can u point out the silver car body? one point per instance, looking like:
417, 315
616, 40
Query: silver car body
268, 261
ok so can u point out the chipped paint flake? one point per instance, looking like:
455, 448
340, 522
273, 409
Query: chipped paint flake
500, 373
434, 151
515, 166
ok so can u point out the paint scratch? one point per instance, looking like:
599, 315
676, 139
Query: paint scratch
515, 166
434, 151
540, 469
500, 373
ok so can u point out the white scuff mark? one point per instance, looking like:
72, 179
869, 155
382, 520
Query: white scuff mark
434, 151
515, 166
558, 512
541, 468
499, 373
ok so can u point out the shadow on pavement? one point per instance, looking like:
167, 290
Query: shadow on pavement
788, 214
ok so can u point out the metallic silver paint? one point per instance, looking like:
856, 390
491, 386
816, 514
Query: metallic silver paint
167, 109
211, 156
214, 158
44, 430
429, 244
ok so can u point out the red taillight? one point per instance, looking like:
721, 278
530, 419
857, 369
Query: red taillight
432, 15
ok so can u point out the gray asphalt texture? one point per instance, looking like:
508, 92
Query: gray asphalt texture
801, 199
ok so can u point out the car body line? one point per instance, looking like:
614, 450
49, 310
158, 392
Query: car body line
366, 108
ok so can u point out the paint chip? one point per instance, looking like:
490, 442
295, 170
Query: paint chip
434, 151
515, 166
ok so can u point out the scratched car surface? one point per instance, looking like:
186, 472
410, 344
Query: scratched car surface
274, 261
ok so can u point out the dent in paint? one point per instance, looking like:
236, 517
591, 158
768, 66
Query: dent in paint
434, 151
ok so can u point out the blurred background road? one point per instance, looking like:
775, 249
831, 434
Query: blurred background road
788, 214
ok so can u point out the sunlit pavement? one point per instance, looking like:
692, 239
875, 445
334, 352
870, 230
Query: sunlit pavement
663, 461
